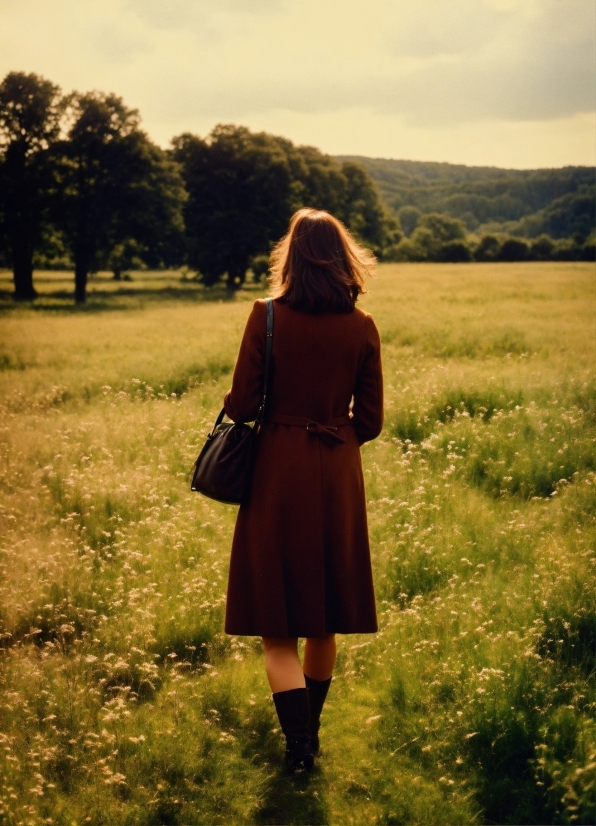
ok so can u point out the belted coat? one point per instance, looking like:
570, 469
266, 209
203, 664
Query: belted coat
300, 563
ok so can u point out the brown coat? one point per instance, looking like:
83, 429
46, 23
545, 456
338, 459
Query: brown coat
300, 563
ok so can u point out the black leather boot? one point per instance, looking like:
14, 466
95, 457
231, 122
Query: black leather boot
292, 710
317, 692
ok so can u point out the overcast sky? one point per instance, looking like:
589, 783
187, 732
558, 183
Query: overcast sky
492, 82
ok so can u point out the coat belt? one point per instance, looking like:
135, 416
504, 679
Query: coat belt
328, 433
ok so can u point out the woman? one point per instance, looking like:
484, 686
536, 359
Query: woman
300, 563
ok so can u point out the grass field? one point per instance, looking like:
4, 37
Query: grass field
121, 700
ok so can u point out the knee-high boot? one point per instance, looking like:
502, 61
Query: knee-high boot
292, 711
317, 692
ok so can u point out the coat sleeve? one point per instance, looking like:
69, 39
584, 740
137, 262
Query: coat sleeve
242, 402
368, 392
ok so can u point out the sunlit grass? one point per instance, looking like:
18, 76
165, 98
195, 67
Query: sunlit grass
121, 700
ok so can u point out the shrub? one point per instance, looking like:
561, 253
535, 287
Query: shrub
566, 250
489, 249
454, 252
442, 227
406, 250
514, 250
542, 248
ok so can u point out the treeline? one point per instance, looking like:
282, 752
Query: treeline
82, 186
496, 214
437, 237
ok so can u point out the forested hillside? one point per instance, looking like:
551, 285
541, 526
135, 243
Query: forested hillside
453, 212
559, 202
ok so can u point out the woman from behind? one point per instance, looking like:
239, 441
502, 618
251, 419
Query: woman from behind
300, 564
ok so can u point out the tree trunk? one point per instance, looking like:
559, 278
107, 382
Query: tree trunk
23, 274
81, 273
19, 198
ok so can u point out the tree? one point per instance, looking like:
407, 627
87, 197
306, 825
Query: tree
513, 249
123, 256
31, 109
408, 218
364, 212
407, 250
318, 180
116, 187
566, 249
454, 252
243, 188
542, 248
241, 195
149, 222
572, 214
4, 246
443, 227
347, 191
489, 249
434, 231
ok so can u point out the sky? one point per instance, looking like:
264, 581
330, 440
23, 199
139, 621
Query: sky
507, 83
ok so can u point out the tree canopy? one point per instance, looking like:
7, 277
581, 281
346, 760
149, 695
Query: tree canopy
243, 188
30, 113
115, 187
239, 192
82, 184
81, 181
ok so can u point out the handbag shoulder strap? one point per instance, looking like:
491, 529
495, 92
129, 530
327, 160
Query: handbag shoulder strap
268, 349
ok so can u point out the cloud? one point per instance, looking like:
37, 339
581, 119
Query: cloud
117, 45
535, 68
433, 27
435, 63
508, 144
198, 14
431, 64
173, 14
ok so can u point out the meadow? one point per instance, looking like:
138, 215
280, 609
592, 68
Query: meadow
122, 701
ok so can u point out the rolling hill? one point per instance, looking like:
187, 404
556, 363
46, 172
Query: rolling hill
558, 202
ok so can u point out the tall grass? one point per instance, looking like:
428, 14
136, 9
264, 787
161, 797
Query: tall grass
121, 700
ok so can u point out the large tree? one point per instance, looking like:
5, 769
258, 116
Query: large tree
319, 179
116, 186
30, 112
364, 212
240, 197
243, 188
149, 218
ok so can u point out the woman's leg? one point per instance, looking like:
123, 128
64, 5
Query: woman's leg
282, 664
287, 682
319, 657
319, 660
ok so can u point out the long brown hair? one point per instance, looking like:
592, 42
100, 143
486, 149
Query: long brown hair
318, 267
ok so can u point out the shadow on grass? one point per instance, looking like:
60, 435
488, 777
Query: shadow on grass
125, 298
296, 798
286, 797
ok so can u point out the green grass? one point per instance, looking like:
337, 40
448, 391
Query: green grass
121, 700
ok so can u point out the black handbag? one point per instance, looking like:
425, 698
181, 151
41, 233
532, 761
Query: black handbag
224, 466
